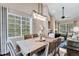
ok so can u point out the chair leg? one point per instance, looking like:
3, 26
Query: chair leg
58, 51
54, 52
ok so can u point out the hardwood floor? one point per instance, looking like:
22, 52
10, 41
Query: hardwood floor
61, 51
71, 52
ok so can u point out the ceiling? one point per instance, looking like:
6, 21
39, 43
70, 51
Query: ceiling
55, 9
71, 10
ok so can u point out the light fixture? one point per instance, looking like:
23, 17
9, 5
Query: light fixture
38, 16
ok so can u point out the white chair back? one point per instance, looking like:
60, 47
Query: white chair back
46, 49
11, 49
14, 39
12, 44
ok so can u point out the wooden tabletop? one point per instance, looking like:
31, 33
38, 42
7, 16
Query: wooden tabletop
29, 46
32, 45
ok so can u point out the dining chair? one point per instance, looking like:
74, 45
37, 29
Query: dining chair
12, 50
35, 35
53, 46
50, 48
27, 36
13, 41
57, 47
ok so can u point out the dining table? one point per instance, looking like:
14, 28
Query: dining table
33, 45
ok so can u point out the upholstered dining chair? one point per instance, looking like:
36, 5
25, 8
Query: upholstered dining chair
57, 46
28, 36
54, 46
13, 41
35, 35
12, 50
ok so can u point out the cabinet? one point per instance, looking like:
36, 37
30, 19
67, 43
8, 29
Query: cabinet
72, 47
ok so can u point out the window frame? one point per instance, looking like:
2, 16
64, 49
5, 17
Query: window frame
30, 23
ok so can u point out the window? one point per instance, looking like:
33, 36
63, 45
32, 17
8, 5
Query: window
25, 26
62, 28
11, 24
65, 27
14, 25
18, 25
70, 26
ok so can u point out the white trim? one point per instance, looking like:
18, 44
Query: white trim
1, 26
4, 33
31, 25
9, 13
7, 33
1, 29
13, 37
21, 25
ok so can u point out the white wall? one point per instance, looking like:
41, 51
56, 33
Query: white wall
21, 7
